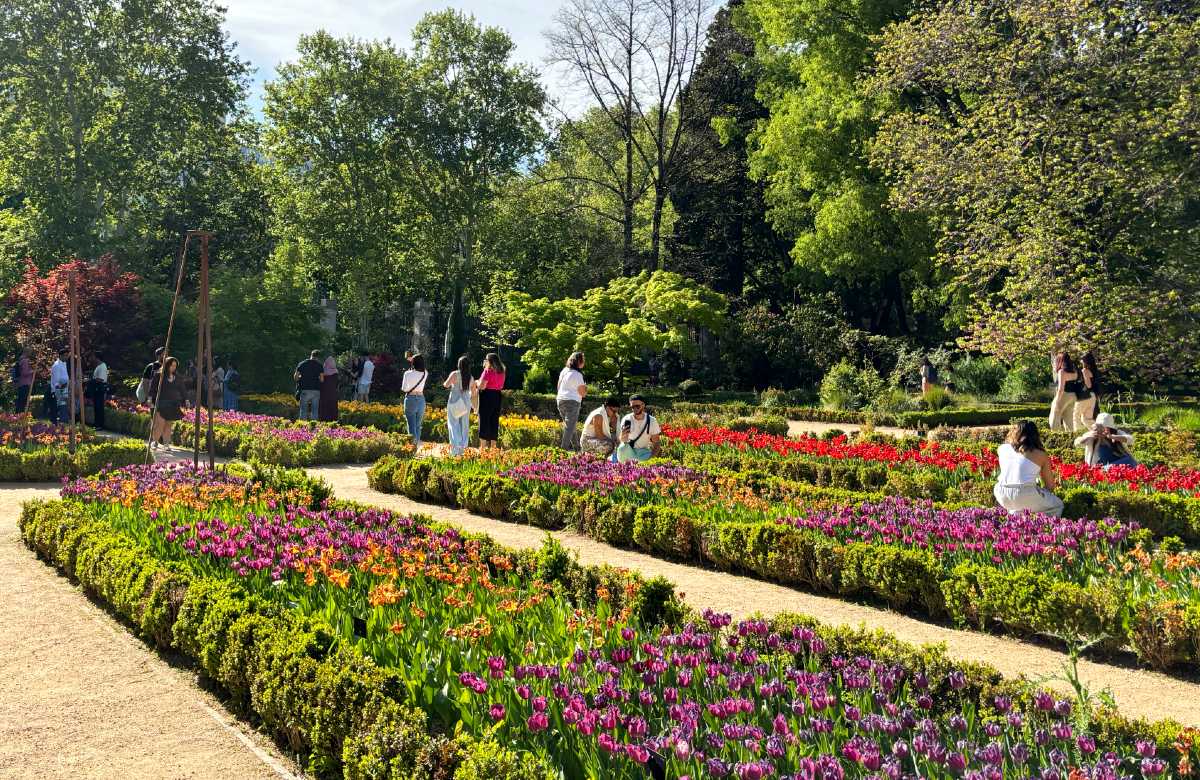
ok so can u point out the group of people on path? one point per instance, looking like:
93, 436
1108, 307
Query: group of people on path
55, 404
169, 393
637, 438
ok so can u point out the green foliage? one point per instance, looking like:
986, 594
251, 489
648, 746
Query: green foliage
1025, 381
979, 376
1059, 229
850, 388
793, 347
613, 325
52, 464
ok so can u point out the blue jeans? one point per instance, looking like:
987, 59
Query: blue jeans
308, 404
460, 432
231, 401
414, 415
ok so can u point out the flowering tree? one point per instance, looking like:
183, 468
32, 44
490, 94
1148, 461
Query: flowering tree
111, 320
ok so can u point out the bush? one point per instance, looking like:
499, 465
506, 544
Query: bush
848, 388
690, 388
935, 399
979, 376
1025, 382
538, 380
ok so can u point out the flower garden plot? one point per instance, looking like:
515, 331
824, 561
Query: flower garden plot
480, 641
269, 439
33, 451
1035, 575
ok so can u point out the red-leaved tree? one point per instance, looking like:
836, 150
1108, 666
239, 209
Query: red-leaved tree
112, 321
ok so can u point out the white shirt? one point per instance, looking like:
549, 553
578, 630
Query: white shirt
569, 380
368, 372
606, 426
1015, 468
642, 429
101, 372
58, 374
413, 382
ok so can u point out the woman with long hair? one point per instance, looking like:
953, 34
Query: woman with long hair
491, 382
1087, 397
463, 390
168, 388
1023, 460
327, 404
412, 387
1066, 380
571, 391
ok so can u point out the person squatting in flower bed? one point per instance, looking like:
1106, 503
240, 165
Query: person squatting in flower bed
596, 692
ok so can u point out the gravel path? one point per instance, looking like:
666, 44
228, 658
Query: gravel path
801, 427
80, 697
1138, 692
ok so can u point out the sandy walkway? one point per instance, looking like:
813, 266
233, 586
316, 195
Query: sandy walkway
80, 697
1139, 693
801, 427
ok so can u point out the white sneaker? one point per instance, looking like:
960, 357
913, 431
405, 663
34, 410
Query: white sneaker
153, 445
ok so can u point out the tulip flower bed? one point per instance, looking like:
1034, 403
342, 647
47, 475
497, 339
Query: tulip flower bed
269, 439
516, 430
957, 462
971, 566
361, 638
33, 451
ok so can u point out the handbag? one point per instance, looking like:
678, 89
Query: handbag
459, 407
143, 390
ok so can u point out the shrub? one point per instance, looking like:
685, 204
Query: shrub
980, 376
538, 380
935, 399
1025, 381
690, 388
847, 387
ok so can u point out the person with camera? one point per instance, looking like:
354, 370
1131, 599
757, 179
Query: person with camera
640, 433
1105, 444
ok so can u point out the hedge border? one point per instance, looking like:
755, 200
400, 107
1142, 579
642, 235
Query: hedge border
50, 464
1022, 600
278, 667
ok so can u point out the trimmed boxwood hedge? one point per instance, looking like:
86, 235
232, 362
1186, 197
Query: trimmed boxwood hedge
1022, 599
344, 712
53, 463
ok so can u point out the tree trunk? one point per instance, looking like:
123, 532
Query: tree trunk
660, 199
897, 294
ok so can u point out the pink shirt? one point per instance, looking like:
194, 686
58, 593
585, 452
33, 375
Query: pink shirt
491, 380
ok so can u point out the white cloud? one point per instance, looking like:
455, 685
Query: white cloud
266, 31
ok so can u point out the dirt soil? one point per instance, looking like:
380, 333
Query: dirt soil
1138, 692
80, 697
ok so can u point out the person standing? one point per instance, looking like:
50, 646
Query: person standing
1066, 384
571, 391
60, 382
1022, 460
463, 392
98, 392
308, 382
143, 389
412, 385
233, 386
218, 385
168, 393
599, 429
491, 382
640, 433
23, 376
366, 376
327, 411
929, 376
1087, 397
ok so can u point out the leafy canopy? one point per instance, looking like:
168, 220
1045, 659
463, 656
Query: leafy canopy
613, 325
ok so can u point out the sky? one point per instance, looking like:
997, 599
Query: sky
266, 31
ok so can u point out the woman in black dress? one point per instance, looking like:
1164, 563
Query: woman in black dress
491, 382
169, 409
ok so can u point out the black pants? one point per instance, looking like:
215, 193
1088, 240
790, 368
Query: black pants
98, 411
22, 398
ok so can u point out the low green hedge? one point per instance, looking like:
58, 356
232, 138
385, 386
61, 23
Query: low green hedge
932, 419
345, 712
318, 697
1023, 599
54, 463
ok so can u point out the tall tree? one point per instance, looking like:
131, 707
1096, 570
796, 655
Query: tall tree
1056, 143
107, 108
632, 59
335, 182
722, 237
464, 120
812, 152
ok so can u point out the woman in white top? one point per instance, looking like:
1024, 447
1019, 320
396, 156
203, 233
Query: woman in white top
599, 429
1022, 461
1066, 383
571, 392
463, 392
412, 385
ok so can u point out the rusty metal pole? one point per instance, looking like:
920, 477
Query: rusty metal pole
208, 352
71, 371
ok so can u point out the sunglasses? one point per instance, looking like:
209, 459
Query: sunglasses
637, 407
